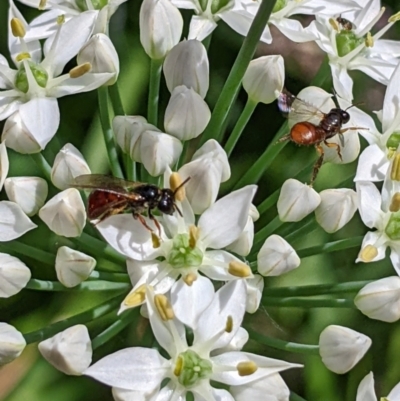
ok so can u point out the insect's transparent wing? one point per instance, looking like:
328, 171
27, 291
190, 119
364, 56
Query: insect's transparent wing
105, 182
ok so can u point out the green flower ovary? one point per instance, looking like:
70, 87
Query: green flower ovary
216, 5
182, 255
97, 4
393, 141
39, 73
346, 41
392, 229
193, 368
279, 5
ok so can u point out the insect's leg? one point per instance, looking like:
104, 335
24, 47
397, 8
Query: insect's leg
142, 220
152, 218
342, 131
318, 163
334, 145
283, 139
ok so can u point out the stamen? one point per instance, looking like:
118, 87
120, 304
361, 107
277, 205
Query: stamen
155, 240
175, 183
164, 308
42, 4
60, 19
239, 269
136, 298
80, 70
368, 253
395, 171
178, 366
246, 368
395, 203
22, 56
190, 278
193, 236
369, 40
17, 28
229, 324
334, 24
394, 17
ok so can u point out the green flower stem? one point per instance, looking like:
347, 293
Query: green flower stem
307, 226
27, 250
308, 303
126, 318
330, 247
295, 397
182, 158
116, 100
105, 120
81, 318
114, 277
283, 345
41, 162
154, 89
232, 85
46, 285
266, 231
240, 125
318, 289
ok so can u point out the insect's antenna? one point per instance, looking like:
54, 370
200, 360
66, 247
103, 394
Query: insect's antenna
180, 186
335, 96
355, 104
178, 210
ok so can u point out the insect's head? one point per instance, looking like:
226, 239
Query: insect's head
345, 116
167, 203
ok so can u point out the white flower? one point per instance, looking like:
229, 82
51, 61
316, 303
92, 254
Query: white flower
208, 168
296, 200
14, 275
254, 286
69, 351
380, 299
356, 49
65, 213
68, 164
4, 164
276, 257
264, 79
189, 368
336, 209
342, 348
73, 267
161, 27
100, 52
187, 64
186, 115
33, 88
13, 221
28, 192
185, 248
366, 391
12, 343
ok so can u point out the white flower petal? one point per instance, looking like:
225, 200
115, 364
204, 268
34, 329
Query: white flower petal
366, 391
14, 275
372, 164
12, 343
201, 27
391, 102
13, 221
4, 164
369, 203
255, 288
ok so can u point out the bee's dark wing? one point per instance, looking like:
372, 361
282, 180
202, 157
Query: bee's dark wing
104, 182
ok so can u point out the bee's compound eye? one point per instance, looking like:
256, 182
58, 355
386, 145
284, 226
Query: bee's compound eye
345, 117
166, 203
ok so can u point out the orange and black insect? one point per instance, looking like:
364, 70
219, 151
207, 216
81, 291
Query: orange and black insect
305, 133
111, 196
345, 23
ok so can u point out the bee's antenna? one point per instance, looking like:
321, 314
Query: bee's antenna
355, 104
180, 186
178, 210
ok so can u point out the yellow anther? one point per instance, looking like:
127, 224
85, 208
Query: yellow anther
178, 366
42, 4
246, 368
136, 297
395, 203
369, 40
164, 307
155, 239
239, 269
22, 56
80, 70
17, 28
395, 172
229, 324
394, 17
175, 182
193, 236
334, 24
368, 253
60, 19
190, 278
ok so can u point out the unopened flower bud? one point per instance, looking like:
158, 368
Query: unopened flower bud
336, 209
100, 52
65, 213
12, 343
187, 64
264, 79
14, 275
29, 192
187, 114
255, 286
161, 26
68, 164
13, 221
73, 267
17, 136
69, 351
342, 348
296, 200
380, 299
276, 257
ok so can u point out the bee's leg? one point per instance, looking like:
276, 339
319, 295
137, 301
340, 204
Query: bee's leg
139, 217
318, 163
283, 139
334, 145
152, 218
342, 131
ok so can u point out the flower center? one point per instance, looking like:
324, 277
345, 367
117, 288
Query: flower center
184, 253
279, 5
393, 141
347, 41
39, 73
97, 4
392, 229
190, 368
